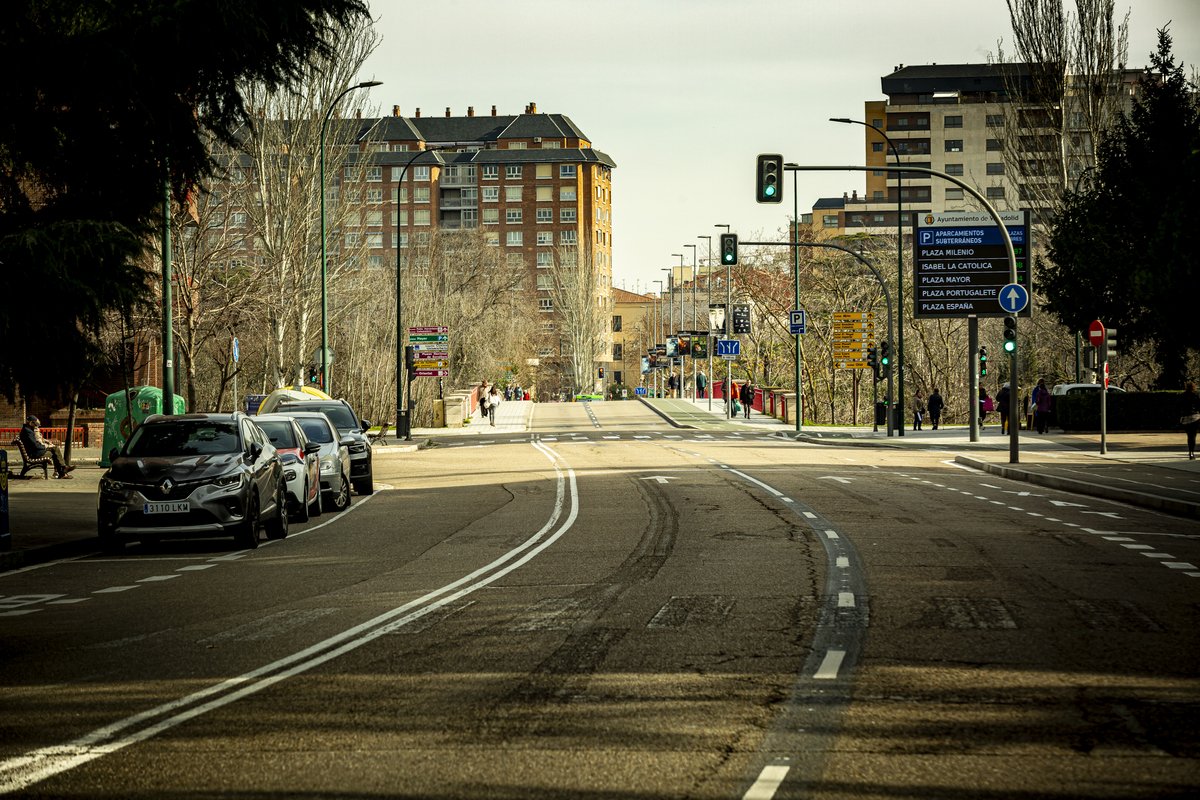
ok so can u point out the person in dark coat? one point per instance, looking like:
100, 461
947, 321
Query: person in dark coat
747, 397
918, 409
1002, 407
983, 398
935, 405
1042, 403
1189, 417
38, 447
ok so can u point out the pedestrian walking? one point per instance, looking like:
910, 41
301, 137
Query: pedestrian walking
702, 384
672, 385
1041, 404
1189, 417
747, 397
1002, 407
935, 404
918, 406
482, 399
493, 402
37, 447
985, 404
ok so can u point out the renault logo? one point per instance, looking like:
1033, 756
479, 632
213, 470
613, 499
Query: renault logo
166, 486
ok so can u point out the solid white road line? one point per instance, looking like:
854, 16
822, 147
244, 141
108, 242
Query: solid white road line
829, 665
768, 782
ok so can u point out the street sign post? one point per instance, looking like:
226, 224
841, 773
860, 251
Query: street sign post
729, 349
1013, 298
1096, 333
796, 322
853, 333
960, 264
640, 391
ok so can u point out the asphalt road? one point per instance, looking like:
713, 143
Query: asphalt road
608, 607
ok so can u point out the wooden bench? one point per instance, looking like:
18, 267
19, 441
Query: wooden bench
31, 463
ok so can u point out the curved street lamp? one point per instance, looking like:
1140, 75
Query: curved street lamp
324, 288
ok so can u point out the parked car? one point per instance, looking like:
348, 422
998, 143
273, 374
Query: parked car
301, 463
1081, 388
333, 455
348, 425
193, 475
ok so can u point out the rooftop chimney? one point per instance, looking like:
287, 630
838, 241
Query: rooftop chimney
470, 111
358, 113
395, 111
845, 196
493, 111
854, 195
418, 113
532, 108
447, 111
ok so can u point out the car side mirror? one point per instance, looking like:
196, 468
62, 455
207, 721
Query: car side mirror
365, 423
256, 450
312, 447
346, 441
113, 455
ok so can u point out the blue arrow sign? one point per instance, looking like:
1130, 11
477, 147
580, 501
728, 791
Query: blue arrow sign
729, 348
235, 350
1013, 298
640, 390
796, 322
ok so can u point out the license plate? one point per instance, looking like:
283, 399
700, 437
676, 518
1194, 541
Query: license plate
178, 507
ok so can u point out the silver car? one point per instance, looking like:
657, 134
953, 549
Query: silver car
334, 457
193, 475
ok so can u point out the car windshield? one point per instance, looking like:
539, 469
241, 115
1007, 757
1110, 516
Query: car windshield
183, 438
317, 430
280, 433
338, 414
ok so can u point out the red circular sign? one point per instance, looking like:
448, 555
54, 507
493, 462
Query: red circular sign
1096, 333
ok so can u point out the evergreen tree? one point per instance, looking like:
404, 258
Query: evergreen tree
1121, 249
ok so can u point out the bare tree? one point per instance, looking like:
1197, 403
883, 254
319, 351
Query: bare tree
582, 309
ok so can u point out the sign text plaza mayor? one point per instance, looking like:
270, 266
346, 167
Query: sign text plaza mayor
960, 263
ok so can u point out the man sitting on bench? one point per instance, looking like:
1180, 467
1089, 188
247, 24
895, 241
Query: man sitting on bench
37, 447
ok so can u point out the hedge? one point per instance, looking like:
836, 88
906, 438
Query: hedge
1127, 411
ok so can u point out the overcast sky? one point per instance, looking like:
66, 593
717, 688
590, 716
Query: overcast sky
684, 94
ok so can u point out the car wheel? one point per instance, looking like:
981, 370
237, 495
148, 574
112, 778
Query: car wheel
340, 500
110, 543
249, 532
302, 506
365, 486
277, 528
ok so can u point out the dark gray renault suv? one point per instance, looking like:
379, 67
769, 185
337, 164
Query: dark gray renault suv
192, 476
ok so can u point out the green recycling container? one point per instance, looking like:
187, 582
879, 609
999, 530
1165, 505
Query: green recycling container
120, 425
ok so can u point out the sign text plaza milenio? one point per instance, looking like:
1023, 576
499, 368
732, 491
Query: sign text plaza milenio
960, 263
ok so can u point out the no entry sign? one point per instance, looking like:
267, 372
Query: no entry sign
1096, 333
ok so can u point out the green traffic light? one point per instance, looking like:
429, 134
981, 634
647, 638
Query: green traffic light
769, 191
1010, 346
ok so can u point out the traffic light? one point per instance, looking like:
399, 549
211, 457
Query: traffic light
769, 179
873, 362
1010, 334
313, 372
1110, 343
885, 359
602, 372
983, 362
729, 255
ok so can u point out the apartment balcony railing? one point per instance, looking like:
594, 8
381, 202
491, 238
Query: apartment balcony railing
458, 180
457, 202
455, 225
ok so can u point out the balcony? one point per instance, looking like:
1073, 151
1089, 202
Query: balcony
457, 180
458, 202
457, 225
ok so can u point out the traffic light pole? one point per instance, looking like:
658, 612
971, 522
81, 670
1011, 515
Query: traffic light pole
973, 376
1014, 434
886, 295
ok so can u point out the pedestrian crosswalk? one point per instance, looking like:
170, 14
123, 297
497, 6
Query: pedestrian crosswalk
610, 437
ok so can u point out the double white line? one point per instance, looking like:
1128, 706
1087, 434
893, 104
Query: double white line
23, 771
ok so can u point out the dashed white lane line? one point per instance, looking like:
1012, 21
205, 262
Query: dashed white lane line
1158, 555
810, 515
830, 665
831, 534
1139, 546
843, 562
154, 578
68, 601
195, 567
113, 589
1117, 538
1178, 565
845, 599
767, 784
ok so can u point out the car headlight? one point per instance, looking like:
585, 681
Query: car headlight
358, 448
110, 485
328, 465
230, 481
289, 475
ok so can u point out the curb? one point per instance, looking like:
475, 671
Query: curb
663, 414
1158, 502
839, 442
389, 449
16, 559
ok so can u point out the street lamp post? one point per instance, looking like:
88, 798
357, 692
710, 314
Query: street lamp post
728, 331
899, 399
693, 333
324, 259
708, 284
671, 317
658, 331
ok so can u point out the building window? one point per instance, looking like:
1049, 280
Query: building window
470, 218
374, 240
616, 324
512, 172
878, 195
829, 220
878, 173
374, 262
545, 282
491, 216
877, 123
995, 193
553, 144
512, 194
374, 195
954, 194
545, 216
566, 215
347, 174
400, 194
491, 194
238, 219
516, 145
995, 169
544, 260
954, 169
545, 171
568, 237
351, 240
399, 240
879, 217
514, 238
512, 216
491, 239
545, 238
545, 194
994, 121
399, 148
374, 174
953, 122
566, 170
421, 194
876, 147
400, 217
545, 304
396, 171
420, 173
902, 122
374, 218
954, 145
994, 144
516, 261
567, 193
421, 217
490, 172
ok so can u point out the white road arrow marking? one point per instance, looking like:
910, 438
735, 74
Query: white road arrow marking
1109, 514
662, 478
833, 478
1023, 494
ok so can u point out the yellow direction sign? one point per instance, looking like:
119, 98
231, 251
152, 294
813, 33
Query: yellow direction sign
854, 315
431, 364
849, 364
